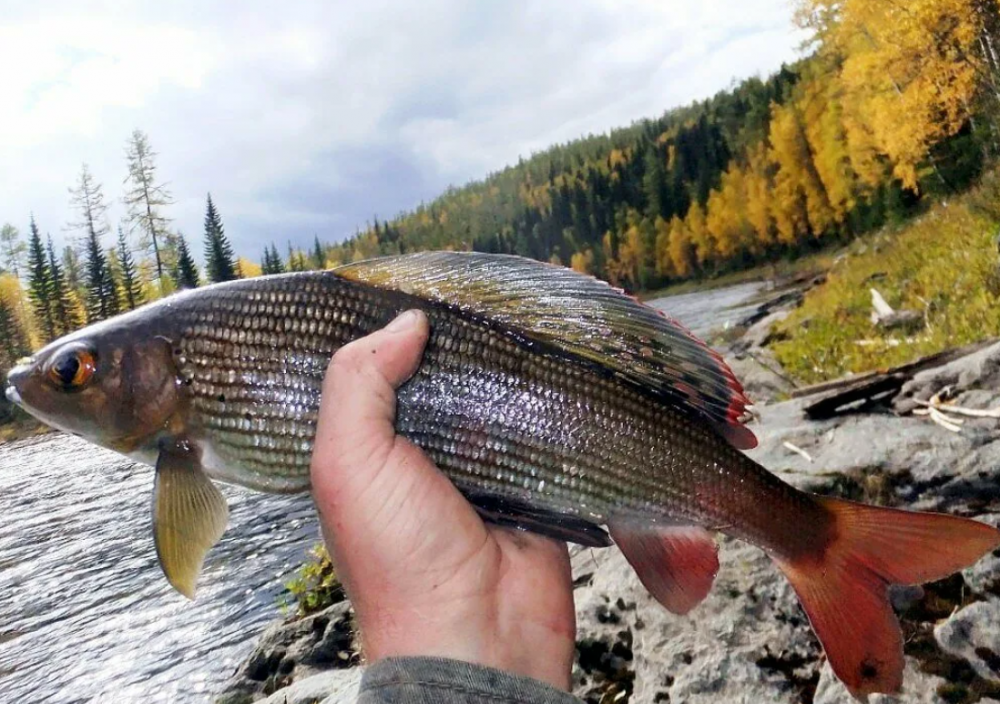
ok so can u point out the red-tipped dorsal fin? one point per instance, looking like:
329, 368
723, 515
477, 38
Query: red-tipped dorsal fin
843, 585
677, 564
579, 315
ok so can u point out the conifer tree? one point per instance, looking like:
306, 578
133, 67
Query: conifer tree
73, 269
296, 260
40, 284
220, 261
272, 264
145, 198
100, 293
65, 306
11, 249
130, 282
318, 256
13, 339
186, 273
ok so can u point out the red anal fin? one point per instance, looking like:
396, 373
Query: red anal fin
843, 586
677, 564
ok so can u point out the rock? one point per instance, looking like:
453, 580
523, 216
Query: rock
972, 633
977, 370
333, 687
759, 373
750, 641
293, 649
918, 688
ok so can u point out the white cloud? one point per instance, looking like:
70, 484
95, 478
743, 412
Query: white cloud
311, 116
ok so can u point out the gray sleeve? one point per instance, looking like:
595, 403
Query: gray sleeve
440, 681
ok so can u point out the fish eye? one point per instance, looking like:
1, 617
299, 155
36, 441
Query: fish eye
72, 367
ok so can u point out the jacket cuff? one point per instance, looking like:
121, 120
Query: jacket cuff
419, 680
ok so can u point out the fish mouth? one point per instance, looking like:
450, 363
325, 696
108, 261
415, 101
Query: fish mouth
16, 375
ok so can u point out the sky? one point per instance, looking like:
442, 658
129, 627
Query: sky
309, 117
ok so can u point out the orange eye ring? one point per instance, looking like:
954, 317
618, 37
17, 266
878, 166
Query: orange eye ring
72, 367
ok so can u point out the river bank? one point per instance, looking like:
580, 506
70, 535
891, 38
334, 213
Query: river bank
750, 641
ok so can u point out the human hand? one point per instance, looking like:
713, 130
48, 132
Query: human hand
426, 576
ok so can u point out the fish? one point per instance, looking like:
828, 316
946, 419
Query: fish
553, 401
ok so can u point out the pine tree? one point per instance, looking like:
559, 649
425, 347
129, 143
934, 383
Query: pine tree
186, 273
11, 249
40, 284
65, 306
220, 261
319, 257
145, 198
130, 281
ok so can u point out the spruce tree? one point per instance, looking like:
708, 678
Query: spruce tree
65, 307
130, 281
319, 257
220, 262
100, 293
186, 273
272, 264
40, 284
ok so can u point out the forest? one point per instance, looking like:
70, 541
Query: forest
892, 104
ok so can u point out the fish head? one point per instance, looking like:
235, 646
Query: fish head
114, 384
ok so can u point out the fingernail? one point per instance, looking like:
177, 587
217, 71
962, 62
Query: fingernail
404, 321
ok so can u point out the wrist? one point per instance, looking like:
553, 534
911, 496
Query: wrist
468, 635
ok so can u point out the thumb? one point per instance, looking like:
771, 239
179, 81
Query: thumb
384, 507
355, 426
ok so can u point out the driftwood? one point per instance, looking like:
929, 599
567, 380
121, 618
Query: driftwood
864, 390
885, 317
791, 298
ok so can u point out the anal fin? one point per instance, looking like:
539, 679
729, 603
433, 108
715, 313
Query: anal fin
676, 563
189, 516
511, 513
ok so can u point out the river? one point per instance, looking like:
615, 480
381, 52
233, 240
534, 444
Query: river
86, 615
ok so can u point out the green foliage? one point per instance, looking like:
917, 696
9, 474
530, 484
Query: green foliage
65, 306
271, 263
186, 271
315, 586
40, 285
944, 263
220, 261
130, 282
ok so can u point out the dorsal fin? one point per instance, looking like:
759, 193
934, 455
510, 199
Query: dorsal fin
579, 315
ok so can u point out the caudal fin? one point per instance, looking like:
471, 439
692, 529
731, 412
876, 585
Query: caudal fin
843, 588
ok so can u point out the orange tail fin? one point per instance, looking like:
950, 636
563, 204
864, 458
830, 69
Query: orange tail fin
843, 588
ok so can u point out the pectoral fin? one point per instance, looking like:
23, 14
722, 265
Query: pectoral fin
189, 517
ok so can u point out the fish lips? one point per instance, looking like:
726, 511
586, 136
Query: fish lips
14, 377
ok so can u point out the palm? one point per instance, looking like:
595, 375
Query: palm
426, 575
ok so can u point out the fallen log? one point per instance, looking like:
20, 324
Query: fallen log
855, 393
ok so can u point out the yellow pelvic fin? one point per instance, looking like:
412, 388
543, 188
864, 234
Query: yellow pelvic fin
189, 517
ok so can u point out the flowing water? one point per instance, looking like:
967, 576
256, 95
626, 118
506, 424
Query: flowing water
86, 615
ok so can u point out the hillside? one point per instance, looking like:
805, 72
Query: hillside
769, 168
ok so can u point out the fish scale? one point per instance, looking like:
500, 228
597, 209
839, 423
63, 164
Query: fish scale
498, 414
554, 402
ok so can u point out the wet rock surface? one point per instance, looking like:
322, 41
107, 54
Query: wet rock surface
750, 640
